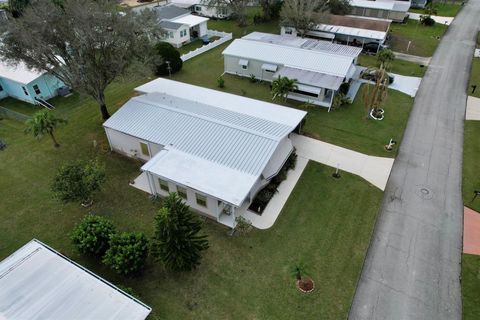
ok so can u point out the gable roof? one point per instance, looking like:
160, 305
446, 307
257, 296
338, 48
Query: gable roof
18, 73
299, 58
170, 25
37, 282
169, 12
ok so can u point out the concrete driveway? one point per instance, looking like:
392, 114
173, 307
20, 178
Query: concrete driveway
438, 19
404, 84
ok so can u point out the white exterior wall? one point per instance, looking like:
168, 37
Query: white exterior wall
212, 12
203, 29
177, 41
254, 67
129, 145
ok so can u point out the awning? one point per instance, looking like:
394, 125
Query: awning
243, 62
310, 78
269, 67
324, 35
309, 89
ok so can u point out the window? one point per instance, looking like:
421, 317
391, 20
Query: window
25, 91
288, 31
244, 67
170, 34
201, 200
183, 33
144, 148
182, 192
37, 89
163, 185
198, 8
305, 93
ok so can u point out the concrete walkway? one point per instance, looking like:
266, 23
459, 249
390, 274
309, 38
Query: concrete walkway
476, 54
413, 264
438, 19
411, 58
473, 108
404, 84
471, 231
373, 169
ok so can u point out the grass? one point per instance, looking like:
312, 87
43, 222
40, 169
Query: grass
475, 78
423, 39
241, 277
471, 165
346, 127
20, 106
443, 9
398, 66
471, 286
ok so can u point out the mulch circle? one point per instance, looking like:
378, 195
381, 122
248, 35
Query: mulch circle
306, 285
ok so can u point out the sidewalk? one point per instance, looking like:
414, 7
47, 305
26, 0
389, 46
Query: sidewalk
473, 108
404, 84
438, 19
471, 231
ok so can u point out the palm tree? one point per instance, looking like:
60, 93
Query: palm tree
282, 86
385, 56
44, 122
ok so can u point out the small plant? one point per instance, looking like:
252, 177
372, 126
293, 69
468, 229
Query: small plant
304, 283
339, 100
92, 235
78, 181
243, 226
253, 78
221, 82
127, 253
427, 20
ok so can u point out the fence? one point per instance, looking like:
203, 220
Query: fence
224, 37
10, 114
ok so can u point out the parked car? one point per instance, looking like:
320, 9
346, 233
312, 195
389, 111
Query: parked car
373, 47
371, 75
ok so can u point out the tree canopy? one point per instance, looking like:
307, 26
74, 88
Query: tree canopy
302, 14
85, 43
44, 122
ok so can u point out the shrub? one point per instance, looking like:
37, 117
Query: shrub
92, 235
339, 100
177, 241
127, 253
427, 20
167, 55
252, 78
344, 87
243, 226
221, 82
78, 181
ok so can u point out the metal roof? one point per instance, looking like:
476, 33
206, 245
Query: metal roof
391, 5
352, 32
37, 282
18, 73
315, 79
305, 43
171, 11
306, 59
190, 20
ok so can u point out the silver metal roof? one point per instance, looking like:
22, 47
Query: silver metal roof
306, 59
170, 25
314, 79
170, 12
305, 43
233, 139
37, 282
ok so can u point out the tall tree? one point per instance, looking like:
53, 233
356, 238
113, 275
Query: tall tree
340, 7
385, 57
270, 8
85, 43
42, 123
302, 14
282, 86
238, 7
177, 240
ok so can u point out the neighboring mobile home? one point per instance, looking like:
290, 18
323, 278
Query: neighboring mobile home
27, 85
37, 282
216, 150
395, 10
179, 25
319, 70
202, 8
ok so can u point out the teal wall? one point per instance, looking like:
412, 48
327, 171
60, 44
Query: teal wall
47, 84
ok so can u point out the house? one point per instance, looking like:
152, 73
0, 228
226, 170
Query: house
179, 25
421, 4
395, 10
216, 150
202, 8
27, 85
319, 70
38, 282
349, 30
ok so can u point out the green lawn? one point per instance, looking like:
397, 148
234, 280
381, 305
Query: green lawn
471, 286
19, 106
423, 39
475, 78
402, 67
241, 277
471, 165
443, 9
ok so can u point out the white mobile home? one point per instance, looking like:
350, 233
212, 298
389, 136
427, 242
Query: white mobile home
203, 8
37, 282
319, 73
395, 10
216, 150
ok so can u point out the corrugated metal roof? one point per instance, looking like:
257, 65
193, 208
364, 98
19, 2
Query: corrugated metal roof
36, 282
352, 32
382, 4
314, 79
317, 61
190, 20
305, 43
232, 139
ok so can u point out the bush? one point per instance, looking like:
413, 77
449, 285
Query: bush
252, 78
92, 235
221, 82
127, 253
427, 20
78, 181
339, 100
344, 87
167, 54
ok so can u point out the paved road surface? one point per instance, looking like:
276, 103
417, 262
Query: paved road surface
412, 268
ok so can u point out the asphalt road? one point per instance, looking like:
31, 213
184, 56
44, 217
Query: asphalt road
412, 268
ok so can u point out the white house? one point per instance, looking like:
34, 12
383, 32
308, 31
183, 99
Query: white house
216, 150
396, 10
202, 8
179, 25
37, 282
320, 69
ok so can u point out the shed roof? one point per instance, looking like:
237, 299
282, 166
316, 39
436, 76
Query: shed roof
305, 43
170, 11
317, 61
190, 20
37, 282
18, 73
